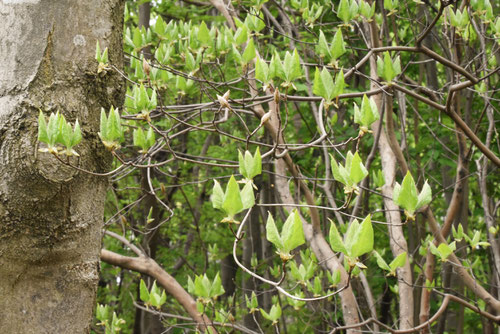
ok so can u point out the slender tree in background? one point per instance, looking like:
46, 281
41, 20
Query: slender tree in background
51, 215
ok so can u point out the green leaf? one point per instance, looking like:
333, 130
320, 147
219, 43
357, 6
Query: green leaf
241, 35
276, 69
357, 171
217, 197
236, 54
143, 292
249, 53
339, 172
203, 285
272, 233
262, 71
339, 84
292, 233
150, 138
367, 114
256, 164
319, 87
274, 314
232, 203
204, 35
252, 303
191, 64
343, 11
42, 129
139, 138
336, 240
216, 288
362, 240
242, 165
425, 196
338, 45
446, 250
102, 312
322, 48
77, 134
329, 87
381, 262
115, 131
398, 262
296, 68
406, 195
247, 196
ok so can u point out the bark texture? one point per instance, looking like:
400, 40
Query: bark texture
50, 214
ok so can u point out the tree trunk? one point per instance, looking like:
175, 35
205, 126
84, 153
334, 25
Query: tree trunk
51, 214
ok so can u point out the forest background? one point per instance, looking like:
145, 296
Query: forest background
364, 131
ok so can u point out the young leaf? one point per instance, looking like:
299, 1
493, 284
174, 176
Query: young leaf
292, 233
247, 196
204, 35
249, 53
381, 262
343, 11
398, 262
367, 114
362, 239
144, 293
405, 195
272, 233
262, 71
425, 196
273, 315
139, 138
322, 48
276, 69
241, 35
232, 203
338, 45
339, 84
42, 129
216, 289
336, 240
319, 87
357, 170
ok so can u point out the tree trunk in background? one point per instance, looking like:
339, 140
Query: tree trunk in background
50, 214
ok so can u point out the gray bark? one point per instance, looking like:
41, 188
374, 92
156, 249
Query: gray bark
50, 214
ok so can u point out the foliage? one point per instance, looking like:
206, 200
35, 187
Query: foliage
302, 86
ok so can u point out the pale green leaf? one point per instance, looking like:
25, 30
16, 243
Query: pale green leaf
358, 171
292, 233
42, 129
232, 203
204, 34
322, 48
272, 233
363, 239
424, 197
143, 292
336, 240
338, 45
249, 53
247, 196
381, 262
398, 262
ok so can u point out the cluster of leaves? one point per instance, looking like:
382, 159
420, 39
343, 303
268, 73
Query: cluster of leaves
58, 132
207, 291
153, 297
112, 323
193, 60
